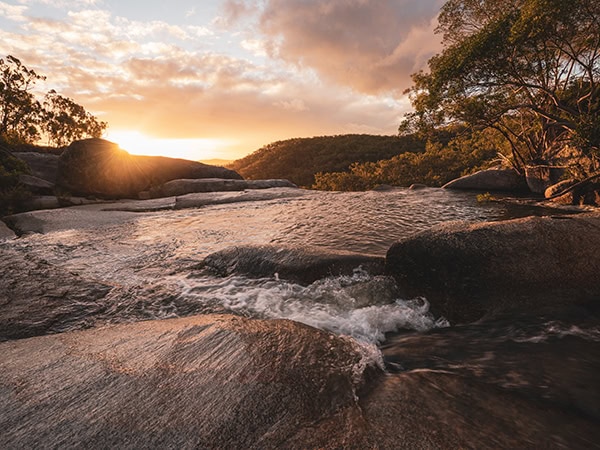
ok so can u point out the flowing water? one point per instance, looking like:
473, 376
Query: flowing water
151, 257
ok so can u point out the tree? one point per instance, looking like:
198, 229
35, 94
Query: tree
66, 121
19, 110
529, 69
23, 118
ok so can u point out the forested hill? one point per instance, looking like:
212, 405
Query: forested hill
298, 160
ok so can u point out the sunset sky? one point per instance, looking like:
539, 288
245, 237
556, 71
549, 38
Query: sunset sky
221, 78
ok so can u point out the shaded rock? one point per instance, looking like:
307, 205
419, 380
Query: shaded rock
98, 167
299, 265
189, 186
490, 180
198, 382
587, 193
182, 187
36, 185
6, 233
541, 177
269, 184
468, 270
42, 165
558, 188
38, 298
525, 381
43, 202
416, 186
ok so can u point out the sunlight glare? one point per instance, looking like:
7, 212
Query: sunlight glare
137, 143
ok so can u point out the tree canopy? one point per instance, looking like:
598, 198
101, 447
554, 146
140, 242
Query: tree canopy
529, 69
25, 119
298, 160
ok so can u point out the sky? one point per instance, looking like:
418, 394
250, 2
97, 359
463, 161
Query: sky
222, 78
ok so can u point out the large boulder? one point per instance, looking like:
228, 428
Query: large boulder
468, 270
99, 167
42, 165
501, 180
197, 382
304, 265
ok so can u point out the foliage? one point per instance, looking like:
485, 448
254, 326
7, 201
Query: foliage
19, 110
298, 160
437, 165
65, 121
12, 193
24, 119
526, 68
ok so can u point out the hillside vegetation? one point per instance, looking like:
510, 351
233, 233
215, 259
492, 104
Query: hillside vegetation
298, 160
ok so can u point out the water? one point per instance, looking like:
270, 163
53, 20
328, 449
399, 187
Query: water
151, 258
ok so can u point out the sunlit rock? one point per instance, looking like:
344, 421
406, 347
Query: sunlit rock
101, 168
197, 382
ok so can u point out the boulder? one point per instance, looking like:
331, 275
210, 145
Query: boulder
299, 265
188, 186
100, 168
5, 232
36, 185
42, 165
196, 382
502, 180
469, 270
587, 193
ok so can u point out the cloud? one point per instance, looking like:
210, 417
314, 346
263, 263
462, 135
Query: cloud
370, 45
161, 79
12, 12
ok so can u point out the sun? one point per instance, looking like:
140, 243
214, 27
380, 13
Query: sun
137, 143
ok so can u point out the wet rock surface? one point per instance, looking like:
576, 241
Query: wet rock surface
518, 381
300, 265
467, 271
199, 382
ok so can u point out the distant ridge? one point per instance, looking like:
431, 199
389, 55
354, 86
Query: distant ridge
298, 160
216, 162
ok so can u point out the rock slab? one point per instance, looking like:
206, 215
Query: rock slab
469, 270
299, 265
196, 382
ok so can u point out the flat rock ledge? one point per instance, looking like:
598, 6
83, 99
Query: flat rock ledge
189, 186
469, 270
304, 266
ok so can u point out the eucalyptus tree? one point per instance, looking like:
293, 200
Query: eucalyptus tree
24, 118
65, 121
19, 109
529, 69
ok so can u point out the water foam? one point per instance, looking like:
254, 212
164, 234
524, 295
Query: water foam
359, 306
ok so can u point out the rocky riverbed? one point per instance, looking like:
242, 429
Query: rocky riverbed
135, 324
